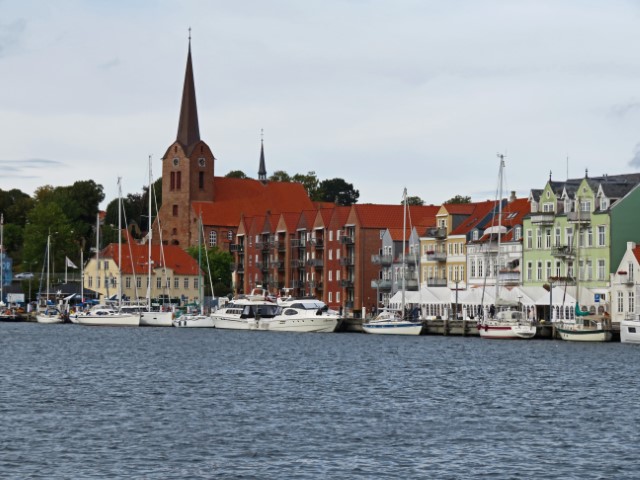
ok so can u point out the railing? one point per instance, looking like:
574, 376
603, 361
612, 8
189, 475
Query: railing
436, 256
346, 239
239, 267
439, 233
410, 284
319, 243
543, 218
626, 279
381, 259
298, 283
381, 284
297, 262
236, 247
298, 243
436, 282
579, 217
346, 283
347, 261
315, 262
509, 277
563, 251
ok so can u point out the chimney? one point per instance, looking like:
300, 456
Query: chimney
513, 196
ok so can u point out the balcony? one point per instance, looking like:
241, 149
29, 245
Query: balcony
315, 284
239, 267
563, 251
436, 282
346, 239
625, 278
409, 284
236, 247
346, 283
546, 218
319, 243
409, 259
562, 281
436, 256
315, 262
297, 263
298, 243
384, 260
347, 261
298, 284
439, 233
381, 284
277, 265
280, 245
509, 277
583, 218
264, 266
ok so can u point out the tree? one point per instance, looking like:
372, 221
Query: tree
15, 205
414, 201
459, 199
236, 174
309, 181
280, 176
220, 265
338, 191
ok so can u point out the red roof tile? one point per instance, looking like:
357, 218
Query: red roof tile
175, 258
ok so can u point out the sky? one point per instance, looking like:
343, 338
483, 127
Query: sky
385, 94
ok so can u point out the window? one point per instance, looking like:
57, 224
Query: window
569, 234
589, 270
547, 237
330, 297
600, 269
570, 272
558, 236
547, 207
331, 235
330, 276
97, 281
558, 269
529, 239
337, 254
475, 235
601, 235
630, 271
172, 183
538, 238
186, 283
589, 237
549, 269
213, 238
178, 180
381, 234
473, 268
158, 282
539, 272
604, 203
518, 233
632, 302
585, 205
620, 302
201, 180
127, 282
337, 275
195, 283
176, 283
175, 210
139, 282
230, 235
480, 268
90, 281
338, 297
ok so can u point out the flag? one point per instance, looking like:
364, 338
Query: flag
69, 263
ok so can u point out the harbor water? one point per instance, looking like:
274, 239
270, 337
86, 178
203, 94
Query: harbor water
170, 403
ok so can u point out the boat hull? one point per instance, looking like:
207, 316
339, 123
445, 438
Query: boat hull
506, 332
107, 320
156, 319
584, 335
630, 331
201, 321
393, 328
318, 325
233, 323
49, 319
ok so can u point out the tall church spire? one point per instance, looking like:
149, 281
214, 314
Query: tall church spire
188, 129
262, 171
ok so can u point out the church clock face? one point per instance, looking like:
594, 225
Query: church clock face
202, 162
176, 162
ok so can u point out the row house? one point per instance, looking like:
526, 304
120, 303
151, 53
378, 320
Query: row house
624, 288
577, 232
175, 275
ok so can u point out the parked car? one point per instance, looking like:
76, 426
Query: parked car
23, 276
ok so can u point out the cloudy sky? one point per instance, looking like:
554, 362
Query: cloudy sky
386, 94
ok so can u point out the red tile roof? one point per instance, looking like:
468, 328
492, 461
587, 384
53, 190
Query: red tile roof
392, 216
175, 258
479, 212
236, 196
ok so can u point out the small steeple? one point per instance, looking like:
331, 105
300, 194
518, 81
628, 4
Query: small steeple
262, 171
188, 129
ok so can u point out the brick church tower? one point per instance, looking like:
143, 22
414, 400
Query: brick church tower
187, 172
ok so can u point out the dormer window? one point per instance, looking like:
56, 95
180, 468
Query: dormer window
604, 203
475, 235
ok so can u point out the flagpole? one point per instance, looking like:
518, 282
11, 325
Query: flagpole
66, 264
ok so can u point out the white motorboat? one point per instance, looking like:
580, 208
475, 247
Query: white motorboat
390, 322
300, 315
150, 318
630, 330
106, 317
244, 312
50, 315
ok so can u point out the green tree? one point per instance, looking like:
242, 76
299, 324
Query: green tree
15, 205
309, 181
338, 191
280, 176
236, 174
220, 269
414, 201
459, 199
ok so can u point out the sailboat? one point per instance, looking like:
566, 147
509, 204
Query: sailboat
198, 319
50, 314
586, 327
149, 317
507, 320
105, 315
393, 322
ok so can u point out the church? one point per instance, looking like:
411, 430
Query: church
192, 195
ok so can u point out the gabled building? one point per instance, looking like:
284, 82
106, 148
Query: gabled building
577, 231
175, 275
624, 285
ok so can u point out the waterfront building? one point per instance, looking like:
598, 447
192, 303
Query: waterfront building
624, 285
579, 229
174, 275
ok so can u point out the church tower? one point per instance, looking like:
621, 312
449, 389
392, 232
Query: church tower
187, 171
262, 169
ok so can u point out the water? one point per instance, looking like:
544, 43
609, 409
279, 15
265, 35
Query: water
83, 402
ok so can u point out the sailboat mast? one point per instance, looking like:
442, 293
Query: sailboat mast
2, 259
200, 265
98, 250
48, 263
149, 240
500, 178
119, 241
404, 234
